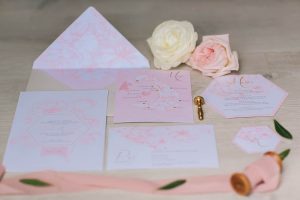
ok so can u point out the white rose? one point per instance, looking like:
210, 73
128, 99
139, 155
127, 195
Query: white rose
172, 43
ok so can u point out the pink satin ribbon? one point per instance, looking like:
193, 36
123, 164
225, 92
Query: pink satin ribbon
264, 175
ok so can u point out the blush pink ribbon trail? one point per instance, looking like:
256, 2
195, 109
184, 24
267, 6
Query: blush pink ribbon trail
263, 174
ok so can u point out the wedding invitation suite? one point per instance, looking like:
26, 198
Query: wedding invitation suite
244, 96
58, 131
162, 147
257, 139
153, 96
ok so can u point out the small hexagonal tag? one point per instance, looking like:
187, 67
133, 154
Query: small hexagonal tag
244, 96
257, 139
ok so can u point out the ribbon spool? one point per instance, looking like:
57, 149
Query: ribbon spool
244, 184
261, 175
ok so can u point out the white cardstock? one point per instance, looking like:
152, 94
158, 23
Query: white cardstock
62, 131
188, 146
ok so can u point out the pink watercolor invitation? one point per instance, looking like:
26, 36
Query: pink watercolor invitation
244, 96
153, 96
58, 130
186, 146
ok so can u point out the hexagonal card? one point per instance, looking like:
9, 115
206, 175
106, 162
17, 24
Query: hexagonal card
244, 96
257, 139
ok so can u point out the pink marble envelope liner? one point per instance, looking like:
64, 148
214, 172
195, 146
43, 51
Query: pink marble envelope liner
89, 53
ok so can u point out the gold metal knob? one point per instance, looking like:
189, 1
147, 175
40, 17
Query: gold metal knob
199, 101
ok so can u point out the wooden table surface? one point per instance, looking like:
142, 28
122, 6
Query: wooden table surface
266, 35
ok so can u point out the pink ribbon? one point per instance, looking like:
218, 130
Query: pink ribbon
264, 175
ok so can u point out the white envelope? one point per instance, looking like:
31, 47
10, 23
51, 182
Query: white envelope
88, 55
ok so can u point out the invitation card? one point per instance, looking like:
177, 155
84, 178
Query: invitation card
58, 131
153, 96
162, 147
244, 96
257, 139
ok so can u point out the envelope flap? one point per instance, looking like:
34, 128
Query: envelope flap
90, 42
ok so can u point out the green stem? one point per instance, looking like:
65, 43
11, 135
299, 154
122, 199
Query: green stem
284, 154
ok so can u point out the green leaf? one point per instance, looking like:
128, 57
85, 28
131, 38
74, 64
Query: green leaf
173, 184
282, 131
35, 182
284, 154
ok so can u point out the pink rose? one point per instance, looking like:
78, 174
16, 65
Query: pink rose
213, 57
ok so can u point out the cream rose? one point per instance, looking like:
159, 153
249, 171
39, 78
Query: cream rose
213, 57
172, 43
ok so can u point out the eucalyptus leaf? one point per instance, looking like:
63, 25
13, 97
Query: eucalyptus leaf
282, 131
173, 184
35, 182
284, 154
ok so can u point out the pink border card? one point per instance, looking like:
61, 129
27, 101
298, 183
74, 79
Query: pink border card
153, 96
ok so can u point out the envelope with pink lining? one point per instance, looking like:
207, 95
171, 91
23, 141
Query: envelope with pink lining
88, 55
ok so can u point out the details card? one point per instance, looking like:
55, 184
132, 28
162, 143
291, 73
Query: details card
62, 131
153, 96
162, 147
244, 96
257, 139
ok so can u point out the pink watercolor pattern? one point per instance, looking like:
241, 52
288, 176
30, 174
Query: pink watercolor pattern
157, 137
50, 110
247, 95
153, 96
90, 43
256, 139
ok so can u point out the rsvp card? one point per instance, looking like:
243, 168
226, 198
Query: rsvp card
244, 96
153, 96
256, 139
162, 147
62, 131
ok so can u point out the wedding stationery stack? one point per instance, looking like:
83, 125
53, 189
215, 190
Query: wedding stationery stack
91, 54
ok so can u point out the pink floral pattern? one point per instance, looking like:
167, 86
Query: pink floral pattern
88, 44
55, 129
256, 139
153, 96
247, 95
